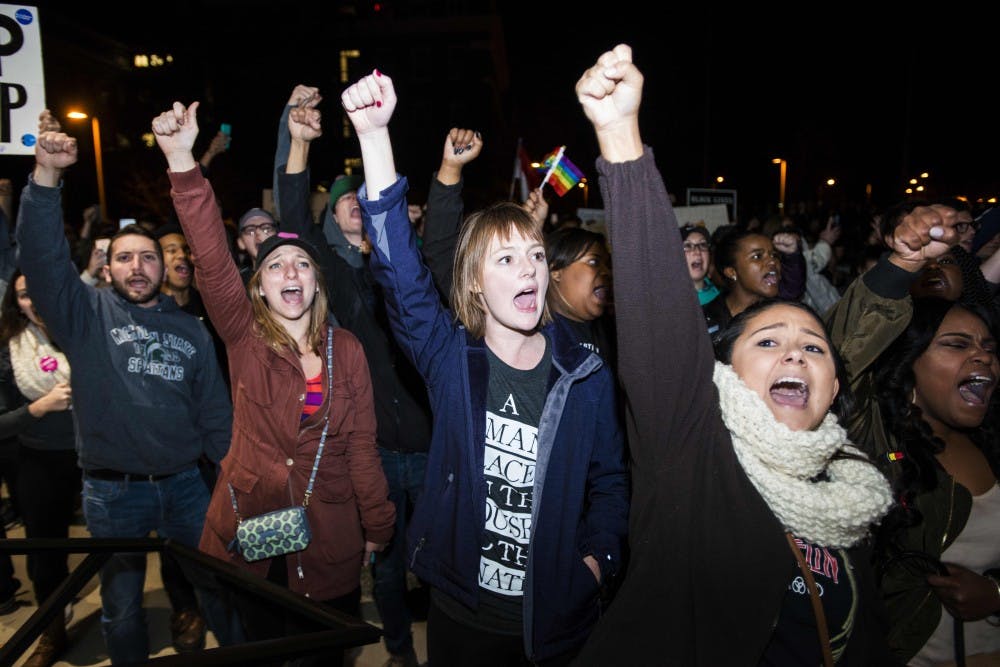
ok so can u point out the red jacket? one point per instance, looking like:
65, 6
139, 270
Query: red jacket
272, 450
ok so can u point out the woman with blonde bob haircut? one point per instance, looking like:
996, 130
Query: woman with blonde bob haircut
500, 220
303, 413
519, 408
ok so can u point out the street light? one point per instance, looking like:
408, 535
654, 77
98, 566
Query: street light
95, 126
781, 183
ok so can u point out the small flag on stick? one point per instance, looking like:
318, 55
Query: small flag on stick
562, 174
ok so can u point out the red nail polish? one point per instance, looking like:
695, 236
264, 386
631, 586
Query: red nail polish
378, 103
378, 73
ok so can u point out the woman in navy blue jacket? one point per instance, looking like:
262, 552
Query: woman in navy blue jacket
525, 503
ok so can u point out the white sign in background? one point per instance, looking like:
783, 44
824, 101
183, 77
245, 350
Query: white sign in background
22, 81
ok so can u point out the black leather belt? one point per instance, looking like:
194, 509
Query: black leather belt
115, 476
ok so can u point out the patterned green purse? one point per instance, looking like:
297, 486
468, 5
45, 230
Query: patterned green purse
273, 534
285, 530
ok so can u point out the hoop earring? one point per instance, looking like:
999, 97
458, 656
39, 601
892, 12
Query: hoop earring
913, 396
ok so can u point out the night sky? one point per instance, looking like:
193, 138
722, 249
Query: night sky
843, 97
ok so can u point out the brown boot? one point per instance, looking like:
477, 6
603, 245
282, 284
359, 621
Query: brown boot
187, 630
50, 646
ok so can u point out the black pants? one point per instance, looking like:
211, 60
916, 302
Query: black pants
454, 644
265, 620
8, 469
8, 583
48, 490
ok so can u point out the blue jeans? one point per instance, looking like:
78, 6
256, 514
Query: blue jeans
174, 508
404, 471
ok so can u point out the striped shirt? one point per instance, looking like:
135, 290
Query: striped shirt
314, 396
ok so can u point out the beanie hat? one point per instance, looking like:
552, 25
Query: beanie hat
342, 185
168, 228
282, 239
688, 229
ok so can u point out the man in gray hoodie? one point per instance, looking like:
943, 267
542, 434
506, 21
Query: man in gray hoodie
148, 398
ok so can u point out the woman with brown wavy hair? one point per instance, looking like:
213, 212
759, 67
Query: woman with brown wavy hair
302, 403
35, 404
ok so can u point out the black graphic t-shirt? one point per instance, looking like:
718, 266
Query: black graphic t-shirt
514, 403
795, 640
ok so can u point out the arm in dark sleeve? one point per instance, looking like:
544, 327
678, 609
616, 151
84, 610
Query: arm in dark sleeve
14, 415
874, 310
346, 302
57, 292
665, 358
442, 222
793, 276
282, 147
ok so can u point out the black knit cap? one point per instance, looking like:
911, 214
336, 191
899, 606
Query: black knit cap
281, 239
170, 227
689, 228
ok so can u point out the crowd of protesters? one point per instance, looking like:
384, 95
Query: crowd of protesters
775, 442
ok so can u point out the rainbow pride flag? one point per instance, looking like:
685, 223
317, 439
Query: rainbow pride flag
562, 174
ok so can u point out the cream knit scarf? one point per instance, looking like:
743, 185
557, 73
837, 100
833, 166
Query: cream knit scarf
38, 365
834, 512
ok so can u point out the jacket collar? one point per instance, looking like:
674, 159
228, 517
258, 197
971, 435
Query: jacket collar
568, 355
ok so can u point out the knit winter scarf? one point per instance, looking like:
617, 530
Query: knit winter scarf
38, 365
836, 511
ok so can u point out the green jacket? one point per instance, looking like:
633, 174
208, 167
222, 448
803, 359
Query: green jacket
873, 312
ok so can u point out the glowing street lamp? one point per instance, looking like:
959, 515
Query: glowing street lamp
96, 128
781, 182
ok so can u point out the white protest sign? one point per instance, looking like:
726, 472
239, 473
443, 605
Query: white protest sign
22, 84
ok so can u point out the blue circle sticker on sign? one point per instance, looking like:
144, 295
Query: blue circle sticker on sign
24, 17
28, 139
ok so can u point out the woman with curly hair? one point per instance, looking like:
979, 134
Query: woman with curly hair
936, 394
925, 370
35, 404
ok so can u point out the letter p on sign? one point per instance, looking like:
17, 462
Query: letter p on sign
22, 86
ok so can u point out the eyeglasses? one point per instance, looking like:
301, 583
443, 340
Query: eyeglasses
696, 247
962, 227
265, 229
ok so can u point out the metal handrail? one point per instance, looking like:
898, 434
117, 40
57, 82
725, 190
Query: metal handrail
340, 630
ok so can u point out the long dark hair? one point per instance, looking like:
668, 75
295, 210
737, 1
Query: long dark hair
568, 244
843, 403
12, 320
916, 471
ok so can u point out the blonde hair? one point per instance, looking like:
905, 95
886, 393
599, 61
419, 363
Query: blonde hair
273, 332
499, 220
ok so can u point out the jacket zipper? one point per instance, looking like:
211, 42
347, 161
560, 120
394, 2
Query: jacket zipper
420, 545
